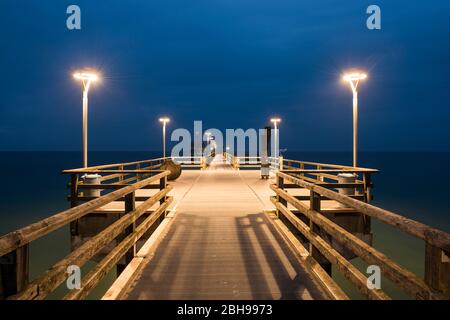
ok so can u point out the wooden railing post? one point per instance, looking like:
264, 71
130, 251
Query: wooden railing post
319, 176
280, 163
130, 205
121, 177
74, 201
437, 269
319, 257
138, 175
302, 167
14, 271
162, 186
73, 190
280, 184
367, 182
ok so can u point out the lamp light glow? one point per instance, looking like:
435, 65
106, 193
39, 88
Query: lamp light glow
275, 120
354, 76
86, 76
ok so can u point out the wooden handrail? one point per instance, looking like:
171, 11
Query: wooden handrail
437, 241
110, 171
286, 162
338, 166
125, 164
350, 272
53, 277
429, 234
105, 166
399, 275
25, 235
343, 170
100, 270
121, 176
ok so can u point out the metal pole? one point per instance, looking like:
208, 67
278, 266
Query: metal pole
277, 154
85, 123
355, 128
164, 139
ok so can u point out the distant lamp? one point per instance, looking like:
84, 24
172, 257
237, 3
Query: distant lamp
275, 122
164, 121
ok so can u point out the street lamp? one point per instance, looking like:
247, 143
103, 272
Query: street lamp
353, 79
86, 78
164, 121
275, 122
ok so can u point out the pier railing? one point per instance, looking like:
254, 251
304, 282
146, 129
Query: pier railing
327, 241
311, 171
251, 161
129, 169
139, 214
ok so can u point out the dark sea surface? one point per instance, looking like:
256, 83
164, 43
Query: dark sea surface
411, 184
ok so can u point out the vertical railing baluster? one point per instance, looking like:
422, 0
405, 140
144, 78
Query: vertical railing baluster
138, 175
74, 180
319, 176
280, 184
162, 186
130, 205
121, 177
367, 198
437, 269
319, 257
73, 190
367, 182
14, 268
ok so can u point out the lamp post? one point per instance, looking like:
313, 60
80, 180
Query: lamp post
164, 121
86, 78
353, 79
275, 126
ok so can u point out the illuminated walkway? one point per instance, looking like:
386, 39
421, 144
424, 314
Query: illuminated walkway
221, 245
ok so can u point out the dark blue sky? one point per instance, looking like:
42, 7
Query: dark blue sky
230, 63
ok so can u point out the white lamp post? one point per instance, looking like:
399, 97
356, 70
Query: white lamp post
86, 78
275, 126
164, 121
353, 79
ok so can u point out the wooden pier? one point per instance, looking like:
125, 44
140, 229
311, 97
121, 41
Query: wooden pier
221, 245
221, 232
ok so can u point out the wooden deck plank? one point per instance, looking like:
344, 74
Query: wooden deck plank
221, 245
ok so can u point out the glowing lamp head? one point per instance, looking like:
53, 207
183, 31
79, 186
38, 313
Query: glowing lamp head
86, 76
275, 120
164, 120
354, 76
